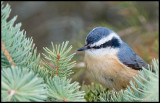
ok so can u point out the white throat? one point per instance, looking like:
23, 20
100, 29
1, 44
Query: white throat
102, 51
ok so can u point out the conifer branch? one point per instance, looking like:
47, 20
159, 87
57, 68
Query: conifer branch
24, 79
58, 57
7, 54
61, 89
20, 84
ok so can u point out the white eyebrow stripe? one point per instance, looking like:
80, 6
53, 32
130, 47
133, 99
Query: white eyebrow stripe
102, 41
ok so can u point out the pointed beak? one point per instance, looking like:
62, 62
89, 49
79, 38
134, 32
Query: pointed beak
83, 48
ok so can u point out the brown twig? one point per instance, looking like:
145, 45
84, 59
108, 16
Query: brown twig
127, 31
48, 63
64, 100
58, 57
11, 93
7, 54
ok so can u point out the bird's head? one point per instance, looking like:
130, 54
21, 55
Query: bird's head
101, 41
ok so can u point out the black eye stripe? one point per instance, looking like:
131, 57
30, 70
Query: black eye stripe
111, 43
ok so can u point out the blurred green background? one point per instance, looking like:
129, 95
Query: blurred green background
136, 22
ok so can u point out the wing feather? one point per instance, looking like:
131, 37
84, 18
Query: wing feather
128, 57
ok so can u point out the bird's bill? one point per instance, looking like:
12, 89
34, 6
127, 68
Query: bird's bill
82, 49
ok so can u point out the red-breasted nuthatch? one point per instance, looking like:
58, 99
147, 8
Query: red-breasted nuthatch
109, 59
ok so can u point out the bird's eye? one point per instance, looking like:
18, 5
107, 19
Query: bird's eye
88, 47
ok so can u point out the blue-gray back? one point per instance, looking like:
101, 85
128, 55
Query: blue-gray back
128, 57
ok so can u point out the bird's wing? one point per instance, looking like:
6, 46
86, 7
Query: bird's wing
128, 57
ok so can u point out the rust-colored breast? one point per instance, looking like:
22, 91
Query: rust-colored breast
109, 71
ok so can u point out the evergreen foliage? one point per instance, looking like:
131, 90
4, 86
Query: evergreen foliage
25, 76
20, 48
21, 85
93, 91
58, 65
59, 61
61, 89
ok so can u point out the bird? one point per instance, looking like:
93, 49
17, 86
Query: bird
110, 60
